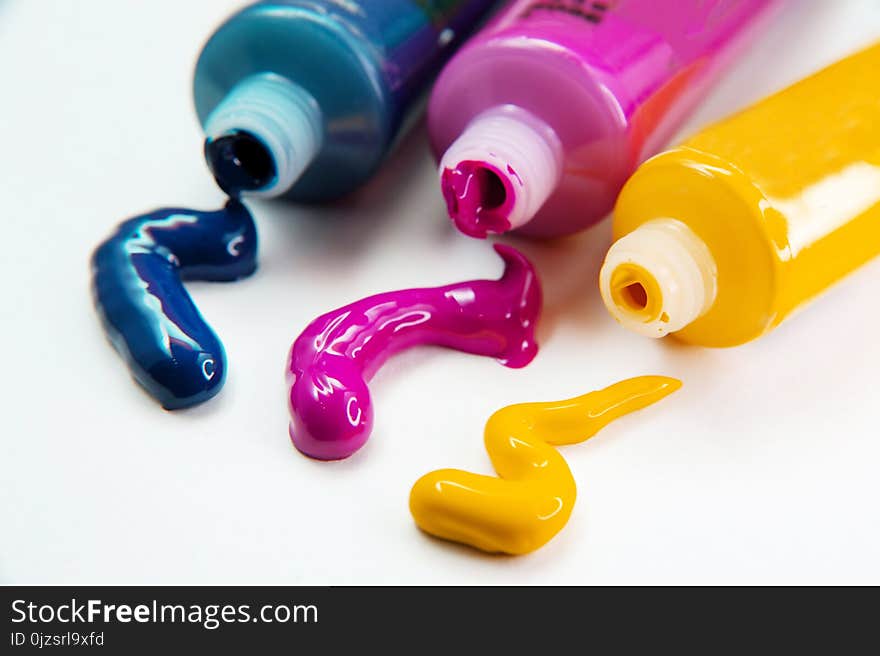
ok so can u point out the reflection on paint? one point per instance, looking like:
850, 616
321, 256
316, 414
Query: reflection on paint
332, 360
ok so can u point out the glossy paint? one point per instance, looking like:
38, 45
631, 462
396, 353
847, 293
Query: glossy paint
151, 320
611, 80
332, 361
786, 196
482, 194
532, 498
365, 62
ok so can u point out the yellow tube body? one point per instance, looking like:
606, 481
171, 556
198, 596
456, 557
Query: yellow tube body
786, 196
532, 499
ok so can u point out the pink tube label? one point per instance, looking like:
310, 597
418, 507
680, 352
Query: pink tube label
646, 45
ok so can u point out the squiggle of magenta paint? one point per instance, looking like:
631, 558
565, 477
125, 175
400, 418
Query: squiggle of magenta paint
332, 360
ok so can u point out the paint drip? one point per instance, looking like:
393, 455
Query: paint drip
478, 198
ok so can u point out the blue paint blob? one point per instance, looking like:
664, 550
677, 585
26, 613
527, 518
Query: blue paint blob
151, 320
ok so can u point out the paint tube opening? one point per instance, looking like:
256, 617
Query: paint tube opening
499, 173
240, 162
479, 198
659, 278
263, 136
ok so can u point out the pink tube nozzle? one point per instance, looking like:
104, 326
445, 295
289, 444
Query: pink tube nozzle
333, 359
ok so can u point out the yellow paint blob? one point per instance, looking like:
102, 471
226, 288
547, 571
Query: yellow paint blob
532, 498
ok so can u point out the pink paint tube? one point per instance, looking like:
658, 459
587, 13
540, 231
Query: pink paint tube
543, 116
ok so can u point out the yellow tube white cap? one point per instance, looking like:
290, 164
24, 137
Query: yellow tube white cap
659, 278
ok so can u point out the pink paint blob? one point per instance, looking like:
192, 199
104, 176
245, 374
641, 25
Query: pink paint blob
572, 96
333, 359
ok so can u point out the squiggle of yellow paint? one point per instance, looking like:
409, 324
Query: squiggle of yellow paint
533, 497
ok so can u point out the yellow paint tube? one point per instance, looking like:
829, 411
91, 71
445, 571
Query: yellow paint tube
720, 239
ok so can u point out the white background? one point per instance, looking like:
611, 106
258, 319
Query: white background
762, 469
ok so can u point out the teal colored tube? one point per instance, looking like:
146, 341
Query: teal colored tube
305, 98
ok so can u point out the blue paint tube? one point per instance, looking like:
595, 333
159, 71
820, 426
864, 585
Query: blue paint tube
305, 98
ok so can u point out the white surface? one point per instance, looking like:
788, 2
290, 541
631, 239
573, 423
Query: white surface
763, 469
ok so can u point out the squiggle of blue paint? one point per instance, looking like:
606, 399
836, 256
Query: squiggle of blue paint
137, 285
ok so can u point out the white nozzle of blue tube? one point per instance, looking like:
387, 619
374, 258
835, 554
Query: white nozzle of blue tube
263, 136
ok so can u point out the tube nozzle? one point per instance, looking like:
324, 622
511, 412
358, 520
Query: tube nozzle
263, 136
240, 163
500, 172
659, 278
